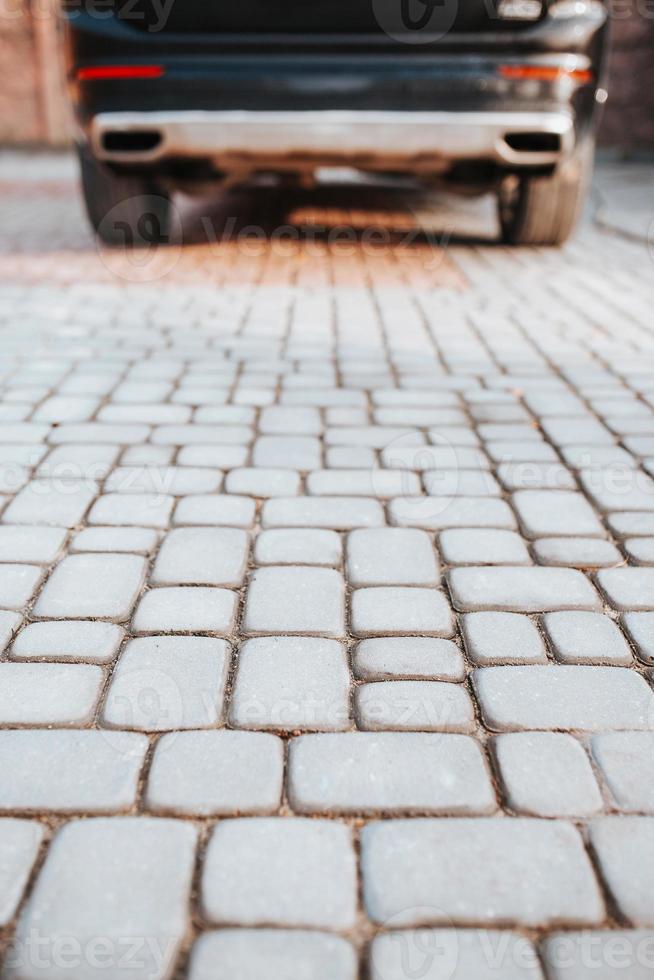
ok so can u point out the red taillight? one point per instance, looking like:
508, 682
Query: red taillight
545, 73
119, 71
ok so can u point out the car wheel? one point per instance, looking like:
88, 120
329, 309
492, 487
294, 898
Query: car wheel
544, 210
124, 209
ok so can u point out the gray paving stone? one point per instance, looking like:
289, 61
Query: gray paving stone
20, 841
221, 457
620, 489
68, 771
627, 525
564, 697
250, 954
556, 513
18, 584
640, 550
460, 483
227, 510
546, 774
114, 878
350, 457
132, 510
595, 955
72, 640
576, 552
586, 638
216, 773
48, 694
625, 761
280, 871
132, 540
186, 610
453, 954
521, 589
624, 847
439, 513
287, 683
536, 476
517, 451
59, 502
338, 513
422, 706
31, 545
400, 611
202, 556
483, 546
292, 452
391, 556
409, 657
298, 546
640, 627
165, 683
281, 420
449, 457
502, 638
263, 482
10, 623
295, 600
628, 588
172, 480
362, 482
491, 871
92, 586
392, 772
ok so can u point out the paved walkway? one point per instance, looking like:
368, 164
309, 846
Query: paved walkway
326, 591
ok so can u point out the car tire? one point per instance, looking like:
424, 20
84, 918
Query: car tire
124, 209
545, 209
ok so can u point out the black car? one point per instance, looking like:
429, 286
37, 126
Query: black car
496, 95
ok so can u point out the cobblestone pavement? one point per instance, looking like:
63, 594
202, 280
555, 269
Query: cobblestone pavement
327, 591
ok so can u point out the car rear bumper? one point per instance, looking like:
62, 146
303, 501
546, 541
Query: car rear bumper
358, 138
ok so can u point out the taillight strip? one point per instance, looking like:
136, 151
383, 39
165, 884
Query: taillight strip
545, 73
93, 72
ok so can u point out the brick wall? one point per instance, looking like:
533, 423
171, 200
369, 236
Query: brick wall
33, 105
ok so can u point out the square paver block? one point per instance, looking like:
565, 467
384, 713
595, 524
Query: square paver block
453, 954
418, 706
202, 556
492, 871
291, 683
295, 600
394, 610
521, 589
483, 546
393, 772
92, 587
586, 638
68, 771
391, 556
628, 588
35, 545
337, 513
561, 697
625, 762
502, 638
546, 774
640, 627
163, 683
59, 503
227, 510
624, 847
186, 610
20, 841
276, 954
10, 623
280, 871
216, 773
18, 583
298, 546
49, 694
410, 657
545, 513
599, 955
68, 640
115, 878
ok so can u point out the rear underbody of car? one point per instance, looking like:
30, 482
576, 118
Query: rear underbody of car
217, 93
